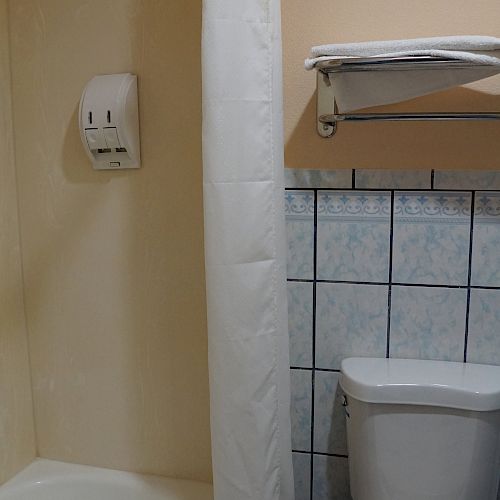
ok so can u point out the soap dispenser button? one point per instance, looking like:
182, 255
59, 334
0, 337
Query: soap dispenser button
95, 139
112, 138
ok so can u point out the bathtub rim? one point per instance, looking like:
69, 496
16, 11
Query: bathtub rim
45, 471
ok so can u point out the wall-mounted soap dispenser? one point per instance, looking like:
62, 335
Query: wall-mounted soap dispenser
109, 122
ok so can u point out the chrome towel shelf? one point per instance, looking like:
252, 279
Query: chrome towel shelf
328, 116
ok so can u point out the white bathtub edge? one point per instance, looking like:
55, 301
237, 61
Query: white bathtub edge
48, 471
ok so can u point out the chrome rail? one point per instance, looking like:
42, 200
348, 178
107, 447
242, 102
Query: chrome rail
406, 117
327, 114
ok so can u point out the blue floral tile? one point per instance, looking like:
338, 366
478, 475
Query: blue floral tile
299, 212
428, 323
330, 478
486, 240
484, 327
329, 415
301, 409
301, 178
300, 323
302, 475
393, 179
353, 236
466, 179
351, 320
431, 238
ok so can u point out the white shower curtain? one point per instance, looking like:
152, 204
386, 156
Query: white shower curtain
245, 250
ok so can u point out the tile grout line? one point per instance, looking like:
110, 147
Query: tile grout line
321, 454
328, 370
484, 287
353, 177
313, 371
394, 283
428, 285
416, 190
469, 274
432, 179
389, 290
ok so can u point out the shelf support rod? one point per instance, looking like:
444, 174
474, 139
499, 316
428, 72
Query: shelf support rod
334, 118
327, 115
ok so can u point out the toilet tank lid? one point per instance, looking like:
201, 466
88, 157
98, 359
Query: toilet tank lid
446, 384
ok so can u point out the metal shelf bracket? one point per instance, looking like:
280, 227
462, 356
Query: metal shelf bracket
325, 105
327, 115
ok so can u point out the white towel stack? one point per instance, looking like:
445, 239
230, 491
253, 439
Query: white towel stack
376, 88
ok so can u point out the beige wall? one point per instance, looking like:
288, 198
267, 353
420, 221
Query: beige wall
113, 260
17, 440
389, 145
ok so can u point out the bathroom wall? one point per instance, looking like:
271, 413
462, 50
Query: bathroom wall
113, 261
455, 145
17, 439
382, 263
400, 262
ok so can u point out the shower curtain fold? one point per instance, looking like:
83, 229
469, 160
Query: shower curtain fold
245, 250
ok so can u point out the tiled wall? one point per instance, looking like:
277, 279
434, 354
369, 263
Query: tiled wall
382, 263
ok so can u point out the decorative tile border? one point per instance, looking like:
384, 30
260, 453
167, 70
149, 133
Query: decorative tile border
353, 235
299, 211
355, 206
299, 204
431, 241
486, 240
422, 207
487, 209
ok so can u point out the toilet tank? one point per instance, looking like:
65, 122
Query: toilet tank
422, 430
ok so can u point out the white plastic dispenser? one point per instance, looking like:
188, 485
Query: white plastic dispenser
109, 122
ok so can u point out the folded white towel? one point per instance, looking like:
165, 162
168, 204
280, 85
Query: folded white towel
360, 90
492, 59
366, 49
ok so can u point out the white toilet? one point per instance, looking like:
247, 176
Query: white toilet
422, 430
